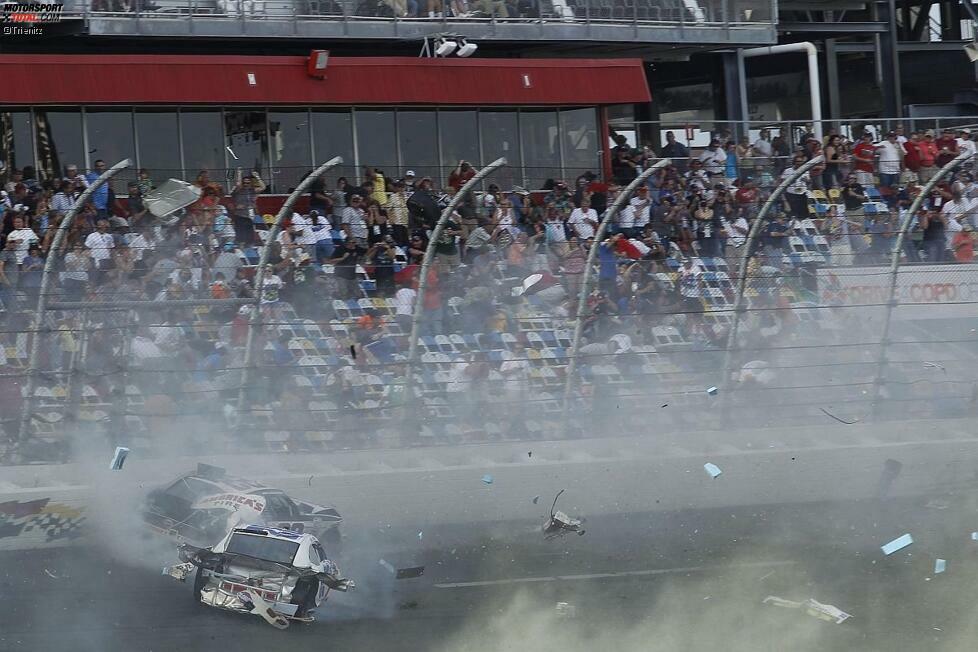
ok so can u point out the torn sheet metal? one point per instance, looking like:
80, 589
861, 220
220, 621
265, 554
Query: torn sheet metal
560, 523
121, 453
812, 607
974, 536
409, 573
897, 544
179, 571
171, 196
712, 469
566, 610
940, 565
712, 391
487, 479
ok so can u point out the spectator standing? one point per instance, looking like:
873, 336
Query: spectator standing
446, 247
74, 278
864, 157
832, 177
966, 144
101, 195
135, 206
345, 263
911, 157
762, 146
23, 238
963, 245
64, 199
714, 159
928, 156
947, 148
731, 165
933, 223
796, 196
960, 208
397, 212
245, 193
460, 175
354, 221
675, 150
100, 244
890, 160
583, 221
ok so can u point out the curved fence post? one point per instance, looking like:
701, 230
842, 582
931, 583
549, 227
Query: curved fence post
895, 268
254, 324
46, 276
592, 255
429, 254
755, 229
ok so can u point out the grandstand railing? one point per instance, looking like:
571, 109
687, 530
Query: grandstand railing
715, 20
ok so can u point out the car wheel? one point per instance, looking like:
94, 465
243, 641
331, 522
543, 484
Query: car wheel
304, 595
199, 581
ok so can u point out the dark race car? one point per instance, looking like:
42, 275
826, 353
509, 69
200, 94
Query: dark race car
202, 506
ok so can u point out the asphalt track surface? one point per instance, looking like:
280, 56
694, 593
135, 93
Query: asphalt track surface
684, 579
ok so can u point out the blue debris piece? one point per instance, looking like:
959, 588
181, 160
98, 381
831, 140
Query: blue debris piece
487, 479
940, 565
121, 452
897, 544
712, 469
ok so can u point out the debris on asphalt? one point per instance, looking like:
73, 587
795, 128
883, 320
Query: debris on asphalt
560, 523
665, 405
409, 604
386, 564
121, 452
848, 423
536, 499
529, 453
566, 610
712, 469
897, 544
934, 365
812, 607
712, 391
487, 479
974, 536
50, 574
409, 573
420, 535
940, 565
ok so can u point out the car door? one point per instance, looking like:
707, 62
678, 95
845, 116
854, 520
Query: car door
281, 512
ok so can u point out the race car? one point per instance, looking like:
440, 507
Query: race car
201, 506
279, 575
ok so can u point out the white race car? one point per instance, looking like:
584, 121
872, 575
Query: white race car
277, 574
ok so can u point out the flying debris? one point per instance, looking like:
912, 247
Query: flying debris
897, 544
712, 391
848, 423
420, 536
934, 365
712, 469
566, 610
812, 607
409, 573
487, 479
560, 523
121, 453
940, 565
536, 499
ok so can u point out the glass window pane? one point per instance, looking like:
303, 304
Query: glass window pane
579, 129
247, 136
500, 137
332, 135
16, 140
541, 148
157, 134
203, 144
110, 139
375, 140
459, 140
419, 146
59, 140
290, 151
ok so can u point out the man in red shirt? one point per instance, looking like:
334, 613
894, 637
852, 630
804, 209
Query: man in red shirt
460, 175
864, 154
912, 157
947, 148
927, 151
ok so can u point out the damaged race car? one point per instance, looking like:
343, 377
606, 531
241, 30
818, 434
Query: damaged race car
201, 506
279, 575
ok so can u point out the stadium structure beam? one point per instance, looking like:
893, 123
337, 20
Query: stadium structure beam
755, 230
895, 268
429, 254
256, 317
46, 276
592, 255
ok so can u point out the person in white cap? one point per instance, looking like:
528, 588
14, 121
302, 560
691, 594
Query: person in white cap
410, 184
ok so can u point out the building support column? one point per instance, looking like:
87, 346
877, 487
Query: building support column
832, 80
734, 84
890, 63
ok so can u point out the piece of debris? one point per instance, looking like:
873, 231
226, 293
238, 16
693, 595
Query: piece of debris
536, 499
769, 574
848, 423
934, 365
310, 481
566, 610
410, 604
420, 535
386, 564
121, 452
812, 607
974, 536
50, 574
665, 405
353, 351
712, 391
560, 523
712, 469
409, 573
487, 479
940, 565
529, 453
897, 544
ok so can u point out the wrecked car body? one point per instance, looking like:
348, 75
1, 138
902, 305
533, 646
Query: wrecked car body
279, 575
200, 507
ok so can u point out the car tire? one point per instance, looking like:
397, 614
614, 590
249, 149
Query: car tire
305, 596
199, 582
